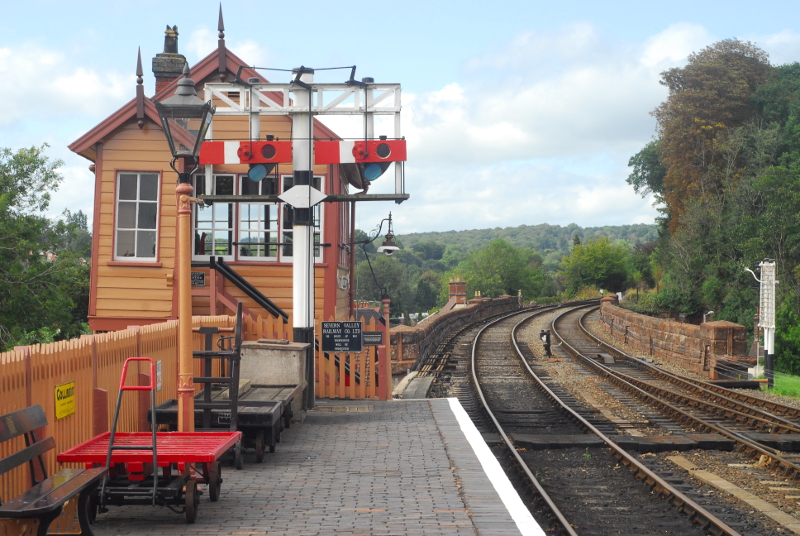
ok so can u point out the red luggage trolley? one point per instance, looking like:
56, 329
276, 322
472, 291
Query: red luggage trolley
134, 458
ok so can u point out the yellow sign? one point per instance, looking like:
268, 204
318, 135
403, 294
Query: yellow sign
65, 400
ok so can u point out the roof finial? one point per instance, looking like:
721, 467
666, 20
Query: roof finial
221, 55
139, 91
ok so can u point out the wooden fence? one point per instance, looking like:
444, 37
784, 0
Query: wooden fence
363, 375
30, 374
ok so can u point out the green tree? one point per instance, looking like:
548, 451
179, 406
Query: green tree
500, 268
43, 282
597, 263
648, 172
427, 295
380, 273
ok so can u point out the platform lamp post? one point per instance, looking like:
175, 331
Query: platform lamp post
185, 119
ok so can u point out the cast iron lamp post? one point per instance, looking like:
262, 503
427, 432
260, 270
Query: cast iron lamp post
185, 119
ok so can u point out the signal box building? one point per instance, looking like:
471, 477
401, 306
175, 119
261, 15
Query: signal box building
133, 255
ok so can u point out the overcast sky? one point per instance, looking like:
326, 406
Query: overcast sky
516, 113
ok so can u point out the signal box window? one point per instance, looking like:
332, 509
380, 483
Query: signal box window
258, 222
136, 222
213, 225
254, 231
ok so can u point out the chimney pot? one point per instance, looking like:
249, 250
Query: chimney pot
168, 65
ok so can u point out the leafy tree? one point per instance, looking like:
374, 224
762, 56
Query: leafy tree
363, 243
382, 272
787, 335
429, 250
453, 256
648, 172
500, 268
43, 279
427, 295
714, 92
598, 263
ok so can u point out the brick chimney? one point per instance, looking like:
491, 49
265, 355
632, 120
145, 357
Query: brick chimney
458, 290
168, 65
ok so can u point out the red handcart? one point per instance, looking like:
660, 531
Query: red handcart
134, 459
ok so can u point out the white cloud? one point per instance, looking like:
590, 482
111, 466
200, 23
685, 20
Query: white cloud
72, 193
539, 131
203, 41
672, 47
42, 83
200, 43
783, 47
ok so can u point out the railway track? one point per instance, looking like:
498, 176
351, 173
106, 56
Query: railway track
741, 419
579, 479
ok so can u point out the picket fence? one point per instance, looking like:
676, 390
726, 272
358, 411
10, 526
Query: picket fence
29, 375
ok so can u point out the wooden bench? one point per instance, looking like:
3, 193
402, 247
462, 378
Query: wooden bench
41, 509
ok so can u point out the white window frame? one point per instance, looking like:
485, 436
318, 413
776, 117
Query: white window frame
214, 208
136, 229
281, 231
259, 229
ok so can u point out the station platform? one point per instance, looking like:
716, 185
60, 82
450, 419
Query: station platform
402, 467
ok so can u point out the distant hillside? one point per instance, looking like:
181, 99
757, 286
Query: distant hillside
552, 241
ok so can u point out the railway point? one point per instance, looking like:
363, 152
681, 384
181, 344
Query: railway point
353, 467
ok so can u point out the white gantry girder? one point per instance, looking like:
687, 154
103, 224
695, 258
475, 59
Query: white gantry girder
364, 99
327, 99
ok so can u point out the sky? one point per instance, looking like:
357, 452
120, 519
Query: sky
516, 113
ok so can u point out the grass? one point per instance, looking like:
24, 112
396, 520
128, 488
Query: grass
786, 385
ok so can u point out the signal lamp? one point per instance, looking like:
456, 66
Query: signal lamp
373, 170
259, 171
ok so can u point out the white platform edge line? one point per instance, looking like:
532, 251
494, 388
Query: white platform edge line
502, 485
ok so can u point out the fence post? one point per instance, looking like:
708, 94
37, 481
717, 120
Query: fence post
26, 353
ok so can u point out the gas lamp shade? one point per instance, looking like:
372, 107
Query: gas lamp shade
185, 119
389, 247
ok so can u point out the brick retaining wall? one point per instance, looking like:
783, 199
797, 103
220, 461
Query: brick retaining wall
410, 344
717, 349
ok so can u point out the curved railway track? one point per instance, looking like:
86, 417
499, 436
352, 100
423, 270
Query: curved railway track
702, 407
581, 489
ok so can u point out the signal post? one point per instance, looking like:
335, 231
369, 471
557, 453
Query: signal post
303, 99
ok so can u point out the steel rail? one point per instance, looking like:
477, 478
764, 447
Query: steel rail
748, 447
740, 402
533, 482
696, 512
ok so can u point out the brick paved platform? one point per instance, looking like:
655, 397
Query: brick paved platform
356, 468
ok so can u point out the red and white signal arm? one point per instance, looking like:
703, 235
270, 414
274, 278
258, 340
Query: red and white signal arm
352, 152
245, 152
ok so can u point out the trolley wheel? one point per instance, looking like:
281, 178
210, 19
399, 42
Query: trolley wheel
192, 500
238, 462
214, 481
260, 446
91, 507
